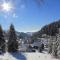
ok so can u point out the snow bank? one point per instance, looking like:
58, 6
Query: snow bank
39, 56
26, 56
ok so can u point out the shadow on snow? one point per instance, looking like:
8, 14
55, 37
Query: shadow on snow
18, 55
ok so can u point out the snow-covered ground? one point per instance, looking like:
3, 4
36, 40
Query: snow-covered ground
26, 56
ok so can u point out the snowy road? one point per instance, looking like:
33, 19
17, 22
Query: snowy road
26, 56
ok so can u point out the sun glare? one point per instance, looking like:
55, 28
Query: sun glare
6, 7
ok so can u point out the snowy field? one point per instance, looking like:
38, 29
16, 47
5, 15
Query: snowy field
26, 56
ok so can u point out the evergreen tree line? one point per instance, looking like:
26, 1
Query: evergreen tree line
12, 43
50, 29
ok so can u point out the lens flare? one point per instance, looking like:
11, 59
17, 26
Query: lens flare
6, 7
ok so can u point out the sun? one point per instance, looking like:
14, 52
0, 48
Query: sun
6, 7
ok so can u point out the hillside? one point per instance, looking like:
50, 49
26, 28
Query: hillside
50, 29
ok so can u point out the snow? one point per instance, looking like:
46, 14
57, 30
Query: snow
26, 56
39, 56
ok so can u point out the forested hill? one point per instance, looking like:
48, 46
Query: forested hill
50, 29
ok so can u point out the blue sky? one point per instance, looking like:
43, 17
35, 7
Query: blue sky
28, 16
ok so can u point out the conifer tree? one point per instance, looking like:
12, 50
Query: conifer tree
2, 40
12, 43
